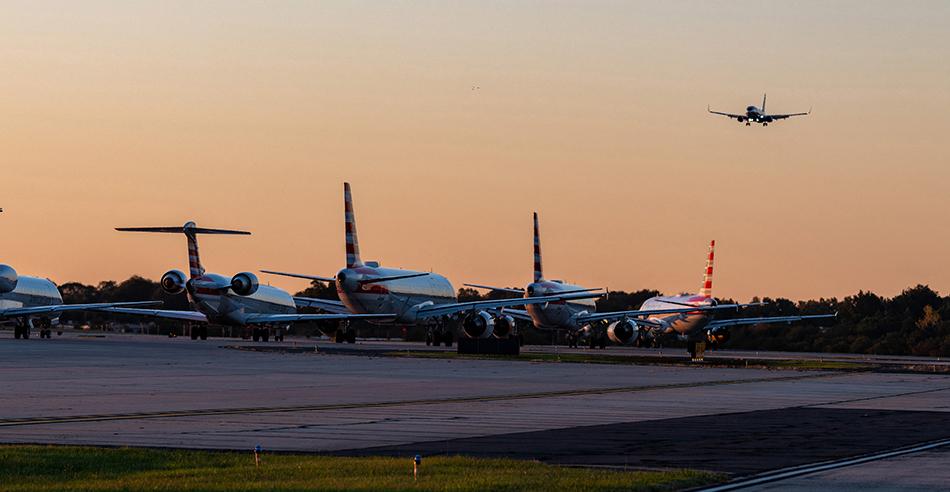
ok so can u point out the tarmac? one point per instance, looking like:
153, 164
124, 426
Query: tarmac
134, 390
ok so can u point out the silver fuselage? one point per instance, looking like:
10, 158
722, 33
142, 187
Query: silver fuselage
30, 292
687, 326
401, 297
223, 306
560, 315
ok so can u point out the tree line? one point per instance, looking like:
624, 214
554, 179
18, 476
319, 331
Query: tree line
915, 322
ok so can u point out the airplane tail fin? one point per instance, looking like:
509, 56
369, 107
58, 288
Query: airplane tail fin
763, 102
352, 241
191, 231
538, 273
706, 290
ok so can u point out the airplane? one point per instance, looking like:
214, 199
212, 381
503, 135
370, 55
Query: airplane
418, 298
577, 317
757, 115
698, 327
25, 299
239, 300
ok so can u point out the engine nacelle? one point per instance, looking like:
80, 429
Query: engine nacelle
623, 332
504, 326
768, 119
8, 279
478, 325
173, 282
717, 337
741, 119
244, 283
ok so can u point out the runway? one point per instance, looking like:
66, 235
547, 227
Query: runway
155, 391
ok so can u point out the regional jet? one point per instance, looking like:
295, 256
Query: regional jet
417, 298
577, 317
24, 300
757, 115
696, 327
238, 300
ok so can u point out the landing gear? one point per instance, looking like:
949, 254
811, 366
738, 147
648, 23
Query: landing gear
765, 124
22, 329
437, 334
696, 351
256, 334
345, 333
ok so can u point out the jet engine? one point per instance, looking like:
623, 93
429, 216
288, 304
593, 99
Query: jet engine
478, 325
173, 282
741, 119
244, 283
8, 279
717, 337
504, 326
623, 332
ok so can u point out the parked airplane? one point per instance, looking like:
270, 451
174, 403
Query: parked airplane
234, 301
577, 317
697, 327
24, 300
417, 298
757, 115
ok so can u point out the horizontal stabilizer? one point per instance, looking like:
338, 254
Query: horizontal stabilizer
189, 228
300, 275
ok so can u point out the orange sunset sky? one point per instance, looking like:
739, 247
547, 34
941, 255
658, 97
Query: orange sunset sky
251, 115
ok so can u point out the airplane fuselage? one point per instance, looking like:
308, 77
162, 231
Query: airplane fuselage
30, 292
687, 326
401, 296
225, 307
556, 315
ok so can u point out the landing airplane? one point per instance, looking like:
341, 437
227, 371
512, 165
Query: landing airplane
757, 115
695, 327
417, 298
577, 317
233, 301
24, 300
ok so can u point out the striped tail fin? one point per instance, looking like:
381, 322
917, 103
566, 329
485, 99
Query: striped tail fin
538, 272
191, 231
706, 291
352, 241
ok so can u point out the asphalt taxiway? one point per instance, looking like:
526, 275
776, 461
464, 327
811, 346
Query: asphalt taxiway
155, 391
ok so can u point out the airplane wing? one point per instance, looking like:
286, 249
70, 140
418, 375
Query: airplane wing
737, 116
61, 308
159, 313
755, 321
458, 307
633, 314
501, 289
256, 319
327, 305
789, 115
519, 314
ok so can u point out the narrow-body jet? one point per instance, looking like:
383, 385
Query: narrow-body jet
757, 115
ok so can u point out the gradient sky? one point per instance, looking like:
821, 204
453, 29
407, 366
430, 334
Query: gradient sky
252, 114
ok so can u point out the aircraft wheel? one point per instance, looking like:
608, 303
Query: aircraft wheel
265, 335
351, 336
428, 339
194, 333
748, 124
603, 342
256, 334
448, 339
765, 124
26, 332
16, 332
203, 333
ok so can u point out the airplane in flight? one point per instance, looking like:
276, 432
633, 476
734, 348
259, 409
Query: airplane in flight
577, 317
698, 327
757, 115
417, 298
25, 299
238, 300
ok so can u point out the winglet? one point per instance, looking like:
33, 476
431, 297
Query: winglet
352, 240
